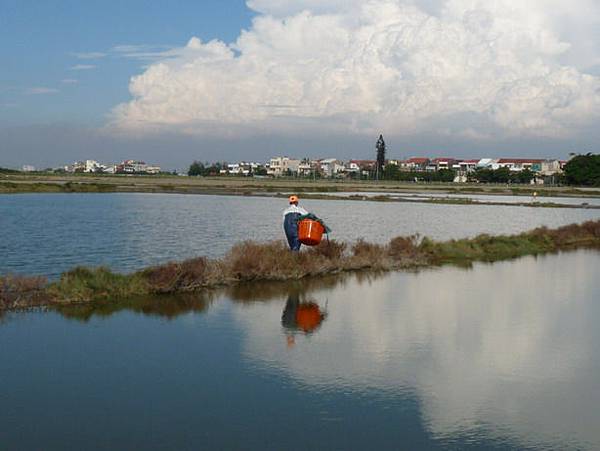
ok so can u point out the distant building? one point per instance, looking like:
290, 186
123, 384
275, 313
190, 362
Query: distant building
279, 166
352, 167
331, 167
28, 168
93, 166
437, 164
488, 163
136, 167
307, 167
415, 164
551, 167
465, 166
78, 166
519, 164
365, 167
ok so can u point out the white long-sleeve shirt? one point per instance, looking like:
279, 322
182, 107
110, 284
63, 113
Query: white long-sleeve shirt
294, 209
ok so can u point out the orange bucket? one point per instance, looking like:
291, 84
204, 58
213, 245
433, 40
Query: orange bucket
310, 232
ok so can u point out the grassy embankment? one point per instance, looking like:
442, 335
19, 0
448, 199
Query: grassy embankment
23, 183
250, 262
282, 187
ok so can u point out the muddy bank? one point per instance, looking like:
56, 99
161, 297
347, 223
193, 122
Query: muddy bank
251, 262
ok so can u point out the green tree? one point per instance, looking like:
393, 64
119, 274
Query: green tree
196, 168
444, 175
391, 172
502, 175
583, 170
523, 176
380, 146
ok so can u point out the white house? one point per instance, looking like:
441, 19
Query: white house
488, 163
281, 165
331, 167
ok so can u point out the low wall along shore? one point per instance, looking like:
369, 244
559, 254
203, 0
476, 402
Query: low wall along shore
253, 262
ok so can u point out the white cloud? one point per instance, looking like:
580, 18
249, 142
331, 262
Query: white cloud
83, 67
40, 90
89, 55
70, 81
144, 52
466, 67
472, 349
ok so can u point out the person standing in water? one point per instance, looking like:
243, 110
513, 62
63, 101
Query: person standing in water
290, 223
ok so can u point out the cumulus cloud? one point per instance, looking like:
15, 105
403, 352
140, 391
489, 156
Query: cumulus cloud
469, 68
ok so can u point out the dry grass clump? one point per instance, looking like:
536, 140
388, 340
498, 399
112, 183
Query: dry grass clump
572, 234
330, 250
369, 255
18, 291
403, 247
249, 261
269, 261
189, 275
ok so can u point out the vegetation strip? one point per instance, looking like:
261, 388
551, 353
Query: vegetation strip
69, 187
239, 185
251, 262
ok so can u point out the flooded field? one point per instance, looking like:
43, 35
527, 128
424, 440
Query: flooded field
501, 356
50, 233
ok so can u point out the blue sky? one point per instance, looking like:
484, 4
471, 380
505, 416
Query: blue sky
170, 82
41, 41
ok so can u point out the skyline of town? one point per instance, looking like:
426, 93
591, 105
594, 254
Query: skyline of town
328, 167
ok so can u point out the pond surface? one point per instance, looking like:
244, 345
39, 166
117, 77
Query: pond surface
482, 198
47, 234
502, 356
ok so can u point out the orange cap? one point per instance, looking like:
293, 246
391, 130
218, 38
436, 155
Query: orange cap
293, 199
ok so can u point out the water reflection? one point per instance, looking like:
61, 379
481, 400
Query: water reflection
298, 316
503, 353
169, 307
506, 351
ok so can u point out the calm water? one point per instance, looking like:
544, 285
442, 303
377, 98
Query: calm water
502, 356
594, 201
50, 233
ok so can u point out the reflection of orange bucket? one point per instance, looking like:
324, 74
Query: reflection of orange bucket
310, 232
308, 317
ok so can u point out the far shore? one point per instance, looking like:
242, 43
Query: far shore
309, 189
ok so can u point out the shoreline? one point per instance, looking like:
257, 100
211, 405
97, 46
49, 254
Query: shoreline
319, 190
169, 183
250, 262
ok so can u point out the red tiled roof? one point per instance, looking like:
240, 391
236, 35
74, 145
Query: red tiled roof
418, 160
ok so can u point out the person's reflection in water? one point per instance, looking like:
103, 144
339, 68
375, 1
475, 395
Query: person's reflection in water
304, 317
